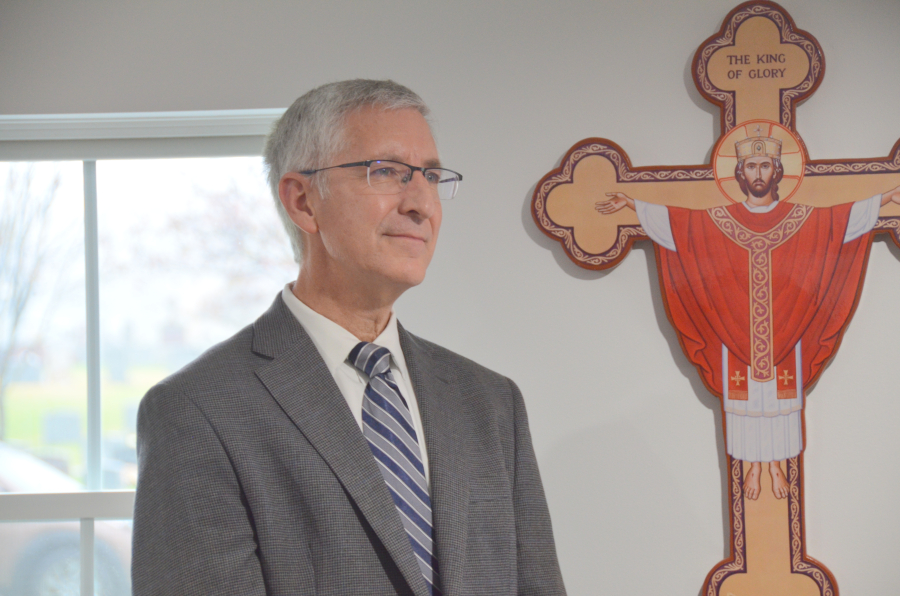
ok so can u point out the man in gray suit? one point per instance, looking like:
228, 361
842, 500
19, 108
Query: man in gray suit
324, 449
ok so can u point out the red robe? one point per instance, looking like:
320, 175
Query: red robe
811, 291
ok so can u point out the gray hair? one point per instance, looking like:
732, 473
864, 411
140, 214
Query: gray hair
311, 132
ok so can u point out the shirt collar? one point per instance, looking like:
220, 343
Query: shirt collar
761, 208
333, 341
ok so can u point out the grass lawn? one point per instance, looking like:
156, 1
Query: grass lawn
49, 419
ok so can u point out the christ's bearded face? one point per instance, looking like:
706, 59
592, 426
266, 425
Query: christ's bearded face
759, 173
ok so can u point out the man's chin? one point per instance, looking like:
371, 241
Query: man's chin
405, 273
759, 191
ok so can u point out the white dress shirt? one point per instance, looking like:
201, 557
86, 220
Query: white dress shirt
335, 343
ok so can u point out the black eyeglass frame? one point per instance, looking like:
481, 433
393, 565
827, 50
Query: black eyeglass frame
369, 162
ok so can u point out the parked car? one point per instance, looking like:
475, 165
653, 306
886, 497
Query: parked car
43, 558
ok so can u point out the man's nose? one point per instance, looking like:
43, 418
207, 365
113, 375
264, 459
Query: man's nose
418, 196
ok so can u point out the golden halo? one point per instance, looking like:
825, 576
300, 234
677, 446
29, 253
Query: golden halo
793, 158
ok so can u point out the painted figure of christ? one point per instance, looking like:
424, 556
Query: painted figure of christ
759, 293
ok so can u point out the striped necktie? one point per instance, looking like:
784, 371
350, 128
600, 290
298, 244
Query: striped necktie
389, 429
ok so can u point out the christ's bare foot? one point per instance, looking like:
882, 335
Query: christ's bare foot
779, 483
751, 481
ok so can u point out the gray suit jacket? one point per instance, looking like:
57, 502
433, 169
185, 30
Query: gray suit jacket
255, 478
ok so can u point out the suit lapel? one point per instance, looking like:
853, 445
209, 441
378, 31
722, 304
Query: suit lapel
300, 382
443, 420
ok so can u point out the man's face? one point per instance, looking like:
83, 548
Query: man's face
759, 172
368, 238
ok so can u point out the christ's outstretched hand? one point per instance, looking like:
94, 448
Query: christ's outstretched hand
616, 203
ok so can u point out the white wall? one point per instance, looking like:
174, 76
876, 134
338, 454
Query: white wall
628, 440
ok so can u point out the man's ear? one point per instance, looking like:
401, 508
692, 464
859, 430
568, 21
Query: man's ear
295, 192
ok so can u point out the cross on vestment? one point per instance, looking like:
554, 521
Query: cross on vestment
786, 377
802, 235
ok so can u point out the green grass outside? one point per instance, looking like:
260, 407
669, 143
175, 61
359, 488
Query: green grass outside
28, 405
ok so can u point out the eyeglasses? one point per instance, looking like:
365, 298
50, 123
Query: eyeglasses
391, 177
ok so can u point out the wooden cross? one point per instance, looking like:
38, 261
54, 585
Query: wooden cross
756, 68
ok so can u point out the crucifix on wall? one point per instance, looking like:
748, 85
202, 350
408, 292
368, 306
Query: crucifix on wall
761, 256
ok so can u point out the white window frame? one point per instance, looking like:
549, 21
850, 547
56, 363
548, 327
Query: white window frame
87, 138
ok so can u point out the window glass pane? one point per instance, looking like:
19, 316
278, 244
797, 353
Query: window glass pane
112, 557
191, 251
44, 558
42, 327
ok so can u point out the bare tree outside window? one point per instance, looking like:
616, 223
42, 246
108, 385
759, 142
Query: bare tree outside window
28, 251
229, 236
188, 256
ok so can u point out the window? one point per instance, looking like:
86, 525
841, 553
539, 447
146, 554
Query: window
129, 243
